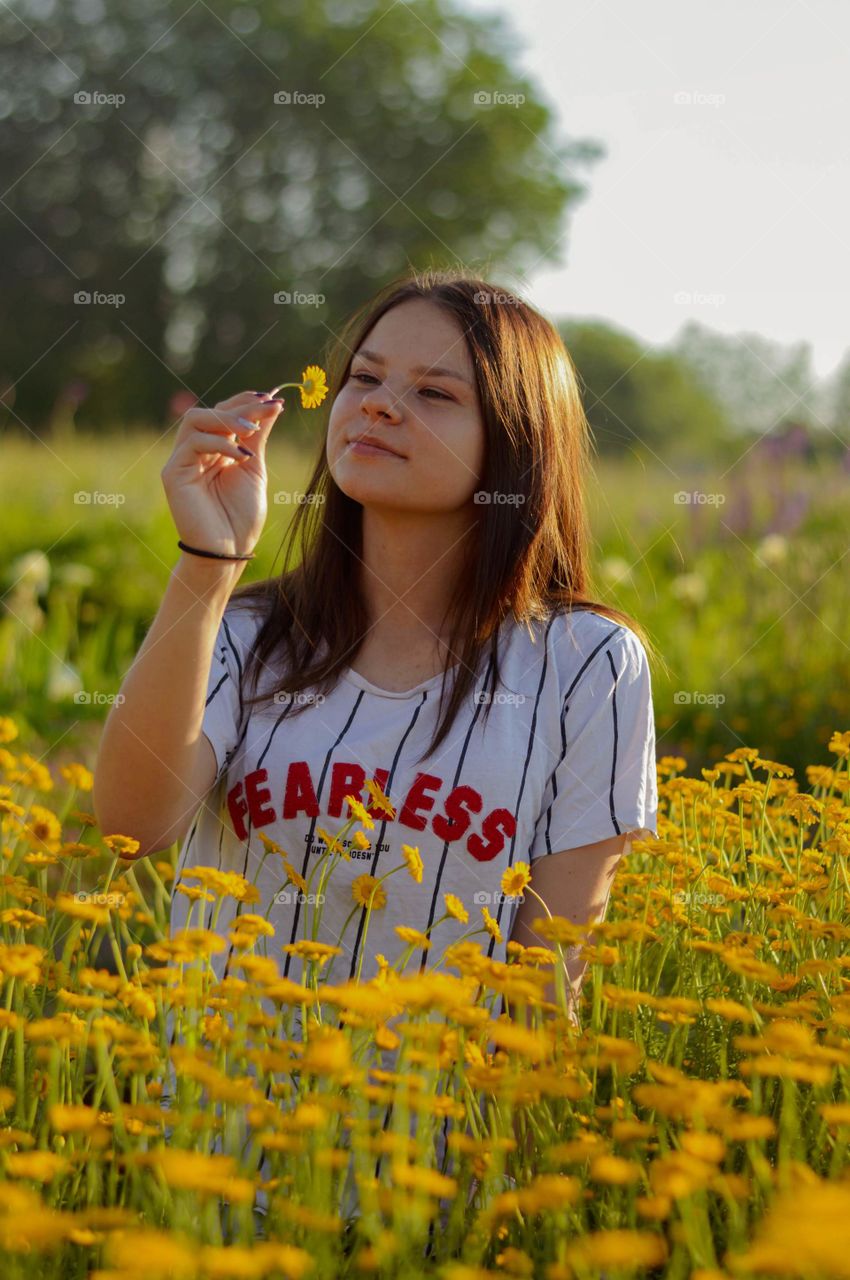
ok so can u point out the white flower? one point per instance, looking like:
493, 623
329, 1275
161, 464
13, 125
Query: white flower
773, 548
615, 569
62, 681
690, 587
32, 569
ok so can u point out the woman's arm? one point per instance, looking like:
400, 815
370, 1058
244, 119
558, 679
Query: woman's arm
575, 884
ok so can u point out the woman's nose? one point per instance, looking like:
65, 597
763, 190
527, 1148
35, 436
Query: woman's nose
381, 403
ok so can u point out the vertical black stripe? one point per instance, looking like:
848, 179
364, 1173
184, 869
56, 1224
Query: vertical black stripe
553, 781
614, 752
455, 782
343, 731
528, 750
383, 826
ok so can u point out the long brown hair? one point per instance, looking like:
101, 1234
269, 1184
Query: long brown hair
537, 444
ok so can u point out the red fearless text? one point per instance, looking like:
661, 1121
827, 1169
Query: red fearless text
251, 800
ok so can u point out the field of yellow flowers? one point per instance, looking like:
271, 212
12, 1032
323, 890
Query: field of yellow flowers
159, 1123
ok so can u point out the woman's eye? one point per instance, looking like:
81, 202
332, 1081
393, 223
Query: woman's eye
433, 390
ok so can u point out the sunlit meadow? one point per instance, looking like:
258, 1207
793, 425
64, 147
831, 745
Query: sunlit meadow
158, 1122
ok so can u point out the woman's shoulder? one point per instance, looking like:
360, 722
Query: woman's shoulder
573, 639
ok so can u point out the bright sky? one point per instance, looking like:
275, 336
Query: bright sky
739, 197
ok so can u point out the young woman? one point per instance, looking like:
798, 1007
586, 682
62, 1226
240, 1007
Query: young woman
436, 636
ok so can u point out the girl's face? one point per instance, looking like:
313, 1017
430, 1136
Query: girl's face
432, 419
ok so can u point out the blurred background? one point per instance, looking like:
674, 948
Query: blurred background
195, 196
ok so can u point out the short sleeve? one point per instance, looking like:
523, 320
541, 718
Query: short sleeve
223, 711
604, 782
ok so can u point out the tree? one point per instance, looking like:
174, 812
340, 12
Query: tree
639, 398
228, 154
760, 383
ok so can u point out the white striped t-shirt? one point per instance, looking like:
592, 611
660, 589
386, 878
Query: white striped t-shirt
567, 758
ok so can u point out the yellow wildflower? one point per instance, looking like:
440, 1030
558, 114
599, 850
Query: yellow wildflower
360, 812
8, 729
122, 846
314, 386
412, 936
367, 890
379, 800
455, 907
413, 861
515, 879
37, 1166
491, 924
618, 1248
78, 775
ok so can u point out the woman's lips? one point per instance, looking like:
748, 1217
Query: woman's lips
371, 450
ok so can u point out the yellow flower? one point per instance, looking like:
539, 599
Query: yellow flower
293, 877
362, 891
412, 936
313, 387
312, 950
614, 1170
254, 925
491, 924
42, 824
224, 883
150, 1253
38, 1166
515, 879
328, 1053
455, 908
360, 840
72, 1118
379, 800
196, 1171
78, 775
332, 842
8, 729
122, 846
360, 812
235, 1262
413, 861
618, 1248
420, 1179
195, 893
82, 908
35, 775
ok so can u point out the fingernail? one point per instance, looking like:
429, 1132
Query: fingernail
252, 426
242, 449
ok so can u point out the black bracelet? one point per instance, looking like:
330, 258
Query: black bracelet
213, 555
